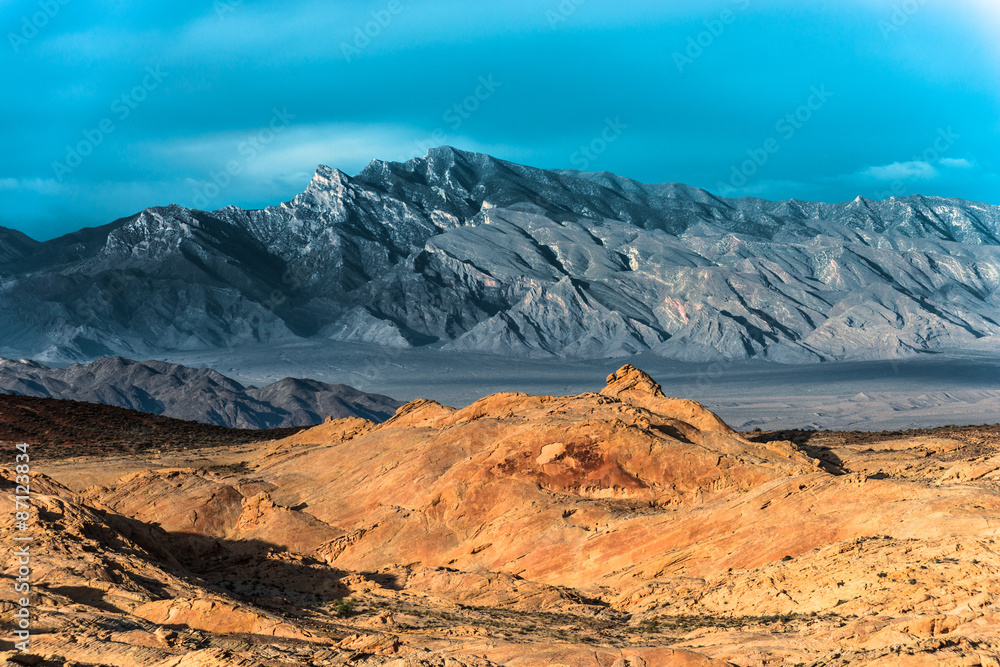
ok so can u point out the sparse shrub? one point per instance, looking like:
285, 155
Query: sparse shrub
648, 626
344, 608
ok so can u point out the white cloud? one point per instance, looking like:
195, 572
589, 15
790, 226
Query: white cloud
263, 154
42, 186
295, 150
901, 171
771, 189
953, 163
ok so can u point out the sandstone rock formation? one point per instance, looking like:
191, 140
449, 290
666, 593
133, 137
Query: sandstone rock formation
610, 529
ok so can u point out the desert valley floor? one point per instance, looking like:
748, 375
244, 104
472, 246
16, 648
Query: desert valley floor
931, 389
611, 528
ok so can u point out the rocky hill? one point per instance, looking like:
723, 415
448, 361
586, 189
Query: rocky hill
194, 394
467, 252
616, 529
60, 429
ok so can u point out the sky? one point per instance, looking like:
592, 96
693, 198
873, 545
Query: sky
111, 106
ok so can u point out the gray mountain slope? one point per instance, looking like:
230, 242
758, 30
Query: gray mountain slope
193, 393
466, 252
14, 247
310, 402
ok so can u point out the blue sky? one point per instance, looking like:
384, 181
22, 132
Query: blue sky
112, 105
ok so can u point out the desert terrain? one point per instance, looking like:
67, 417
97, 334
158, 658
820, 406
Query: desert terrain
922, 391
616, 527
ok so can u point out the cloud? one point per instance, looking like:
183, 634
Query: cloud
895, 171
771, 189
42, 186
953, 163
291, 149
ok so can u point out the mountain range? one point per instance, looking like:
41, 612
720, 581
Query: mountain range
193, 394
462, 251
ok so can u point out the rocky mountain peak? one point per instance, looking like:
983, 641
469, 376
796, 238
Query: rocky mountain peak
447, 153
326, 191
327, 178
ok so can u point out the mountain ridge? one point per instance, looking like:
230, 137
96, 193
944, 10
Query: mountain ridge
193, 394
467, 252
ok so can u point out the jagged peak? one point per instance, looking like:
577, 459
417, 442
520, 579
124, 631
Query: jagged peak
326, 190
159, 214
326, 178
447, 155
446, 152
378, 170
